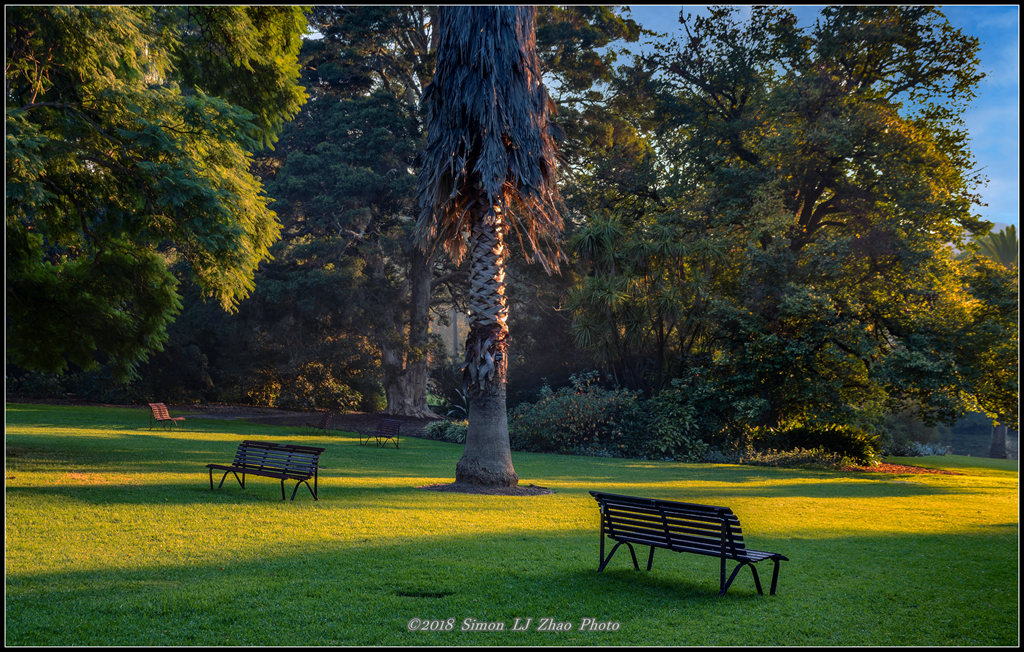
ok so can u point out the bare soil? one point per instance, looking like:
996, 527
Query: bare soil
465, 488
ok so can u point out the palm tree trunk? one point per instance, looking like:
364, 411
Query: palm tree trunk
487, 459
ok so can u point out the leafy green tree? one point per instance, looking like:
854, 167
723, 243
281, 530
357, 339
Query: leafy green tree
344, 273
129, 140
824, 170
375, 62
488, 166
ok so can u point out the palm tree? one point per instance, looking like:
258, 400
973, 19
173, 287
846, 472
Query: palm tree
1002, 246
488, 167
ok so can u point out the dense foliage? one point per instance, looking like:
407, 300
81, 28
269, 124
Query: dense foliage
769, 226
129, 133
815, 183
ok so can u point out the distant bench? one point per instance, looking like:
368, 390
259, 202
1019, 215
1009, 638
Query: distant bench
387, 429
281, 461
159, 414
322, 424
680, 527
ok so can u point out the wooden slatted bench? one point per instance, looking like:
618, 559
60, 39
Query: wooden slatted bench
387, 429
159, 414
281, 461
680, 527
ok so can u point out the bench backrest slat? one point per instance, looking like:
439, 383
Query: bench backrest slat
389, 426
283, 458
160, 411
678, 525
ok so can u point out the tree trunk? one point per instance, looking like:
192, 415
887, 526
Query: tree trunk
997, 448
487, 459
406, 368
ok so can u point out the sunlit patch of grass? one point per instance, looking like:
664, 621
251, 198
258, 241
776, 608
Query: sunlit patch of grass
115, 538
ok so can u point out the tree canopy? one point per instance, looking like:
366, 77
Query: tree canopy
129, 140
815, 182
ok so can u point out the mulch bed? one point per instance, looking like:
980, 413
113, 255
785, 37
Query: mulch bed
466, 488
899, 469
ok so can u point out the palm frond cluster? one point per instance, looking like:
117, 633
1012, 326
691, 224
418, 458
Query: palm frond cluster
489, 132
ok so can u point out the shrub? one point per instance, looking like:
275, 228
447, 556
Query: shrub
580, 417
815, 458
446, 383
449, 431
673, 426
904, 436
845, 441
314, 386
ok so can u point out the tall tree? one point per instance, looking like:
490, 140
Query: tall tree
129, 140
488, 168
824, 170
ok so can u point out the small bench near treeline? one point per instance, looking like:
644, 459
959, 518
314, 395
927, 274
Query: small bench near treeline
159, 414
387, 429
680, 527
281, 461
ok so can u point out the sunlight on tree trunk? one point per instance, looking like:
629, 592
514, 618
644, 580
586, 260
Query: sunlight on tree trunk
487, 458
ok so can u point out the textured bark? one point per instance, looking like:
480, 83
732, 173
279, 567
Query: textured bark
487, 459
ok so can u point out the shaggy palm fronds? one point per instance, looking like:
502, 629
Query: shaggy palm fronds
489, 133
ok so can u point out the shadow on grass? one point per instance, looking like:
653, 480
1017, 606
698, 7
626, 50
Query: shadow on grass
837, 592
257, 490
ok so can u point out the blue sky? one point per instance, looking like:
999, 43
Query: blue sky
993, 117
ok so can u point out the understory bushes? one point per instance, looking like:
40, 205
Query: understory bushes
845, 441
453, 432
689, 421
582, 418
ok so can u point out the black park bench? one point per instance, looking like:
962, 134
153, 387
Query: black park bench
386, 429
281, 461
680, 527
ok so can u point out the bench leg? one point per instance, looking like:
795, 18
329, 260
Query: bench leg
604, 563
305, 482
726, 585
224, 477
775, 576
650, 558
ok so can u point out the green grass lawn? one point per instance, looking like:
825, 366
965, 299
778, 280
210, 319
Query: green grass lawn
113, 537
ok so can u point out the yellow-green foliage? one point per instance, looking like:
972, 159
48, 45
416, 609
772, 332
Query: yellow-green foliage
113, 537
